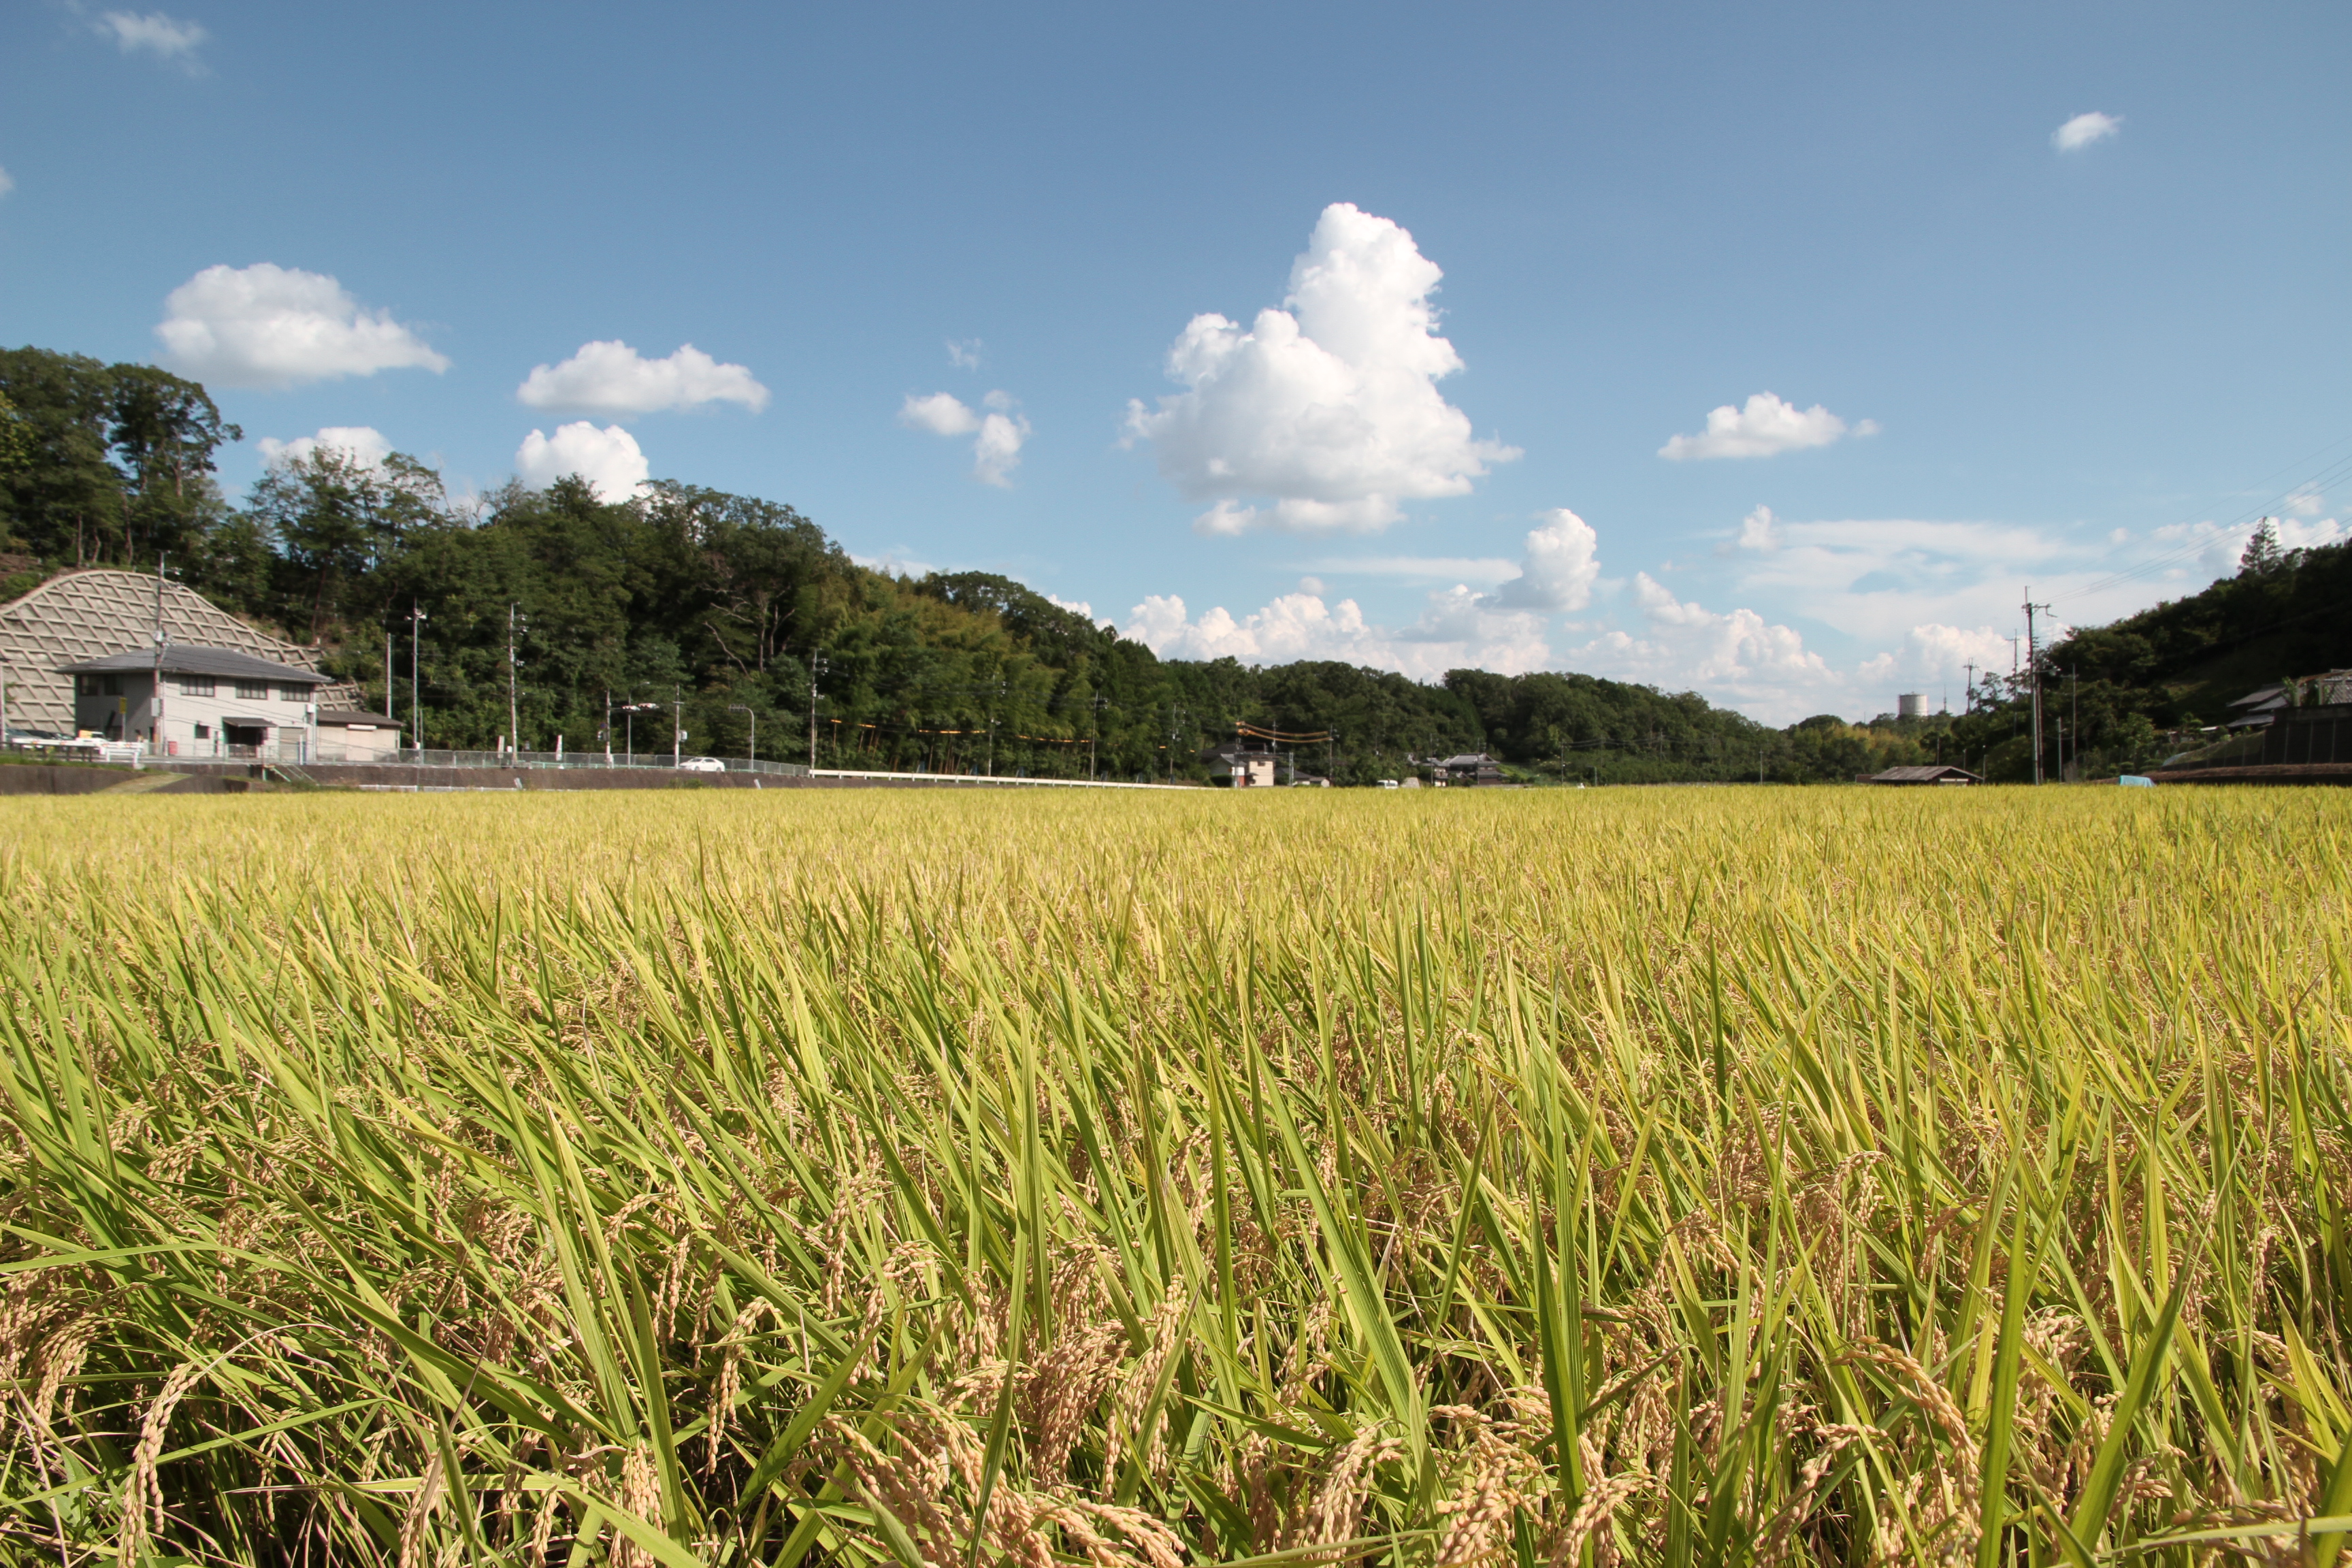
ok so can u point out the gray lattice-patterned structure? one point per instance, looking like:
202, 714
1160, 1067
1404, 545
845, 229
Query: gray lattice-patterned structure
79, 615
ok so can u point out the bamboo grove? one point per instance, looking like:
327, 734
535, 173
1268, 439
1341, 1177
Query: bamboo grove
1656, 1177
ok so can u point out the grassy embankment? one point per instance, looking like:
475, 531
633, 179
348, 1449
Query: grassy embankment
1661, 1177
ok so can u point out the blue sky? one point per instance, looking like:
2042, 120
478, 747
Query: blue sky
1956, 351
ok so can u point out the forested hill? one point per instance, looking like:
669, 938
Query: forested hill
2285, 614
734, 608
740, 611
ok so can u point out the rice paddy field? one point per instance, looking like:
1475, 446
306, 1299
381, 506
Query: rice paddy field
1626, 1177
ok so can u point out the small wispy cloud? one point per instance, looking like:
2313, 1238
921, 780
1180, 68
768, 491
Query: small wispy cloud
166, 38
2083, 129
7, 185
1002, 431
1765, 427
964, 352
611, 378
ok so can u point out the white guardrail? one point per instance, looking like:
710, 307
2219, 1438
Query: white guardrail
999, 779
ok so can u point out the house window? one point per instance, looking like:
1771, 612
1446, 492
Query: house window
204, 731
110, 686
195, 686
252, 691
293, 693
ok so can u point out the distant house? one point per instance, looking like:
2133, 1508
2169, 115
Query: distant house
76, 616
2260, 707
214, 701
1470, 768
2256, 709
1248, 767
1938, 773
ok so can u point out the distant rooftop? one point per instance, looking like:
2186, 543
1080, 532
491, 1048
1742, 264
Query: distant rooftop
180, 660
1939, 772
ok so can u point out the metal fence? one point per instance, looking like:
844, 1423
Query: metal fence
433, 758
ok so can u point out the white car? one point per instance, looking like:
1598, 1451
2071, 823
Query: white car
702, 766
1388, 784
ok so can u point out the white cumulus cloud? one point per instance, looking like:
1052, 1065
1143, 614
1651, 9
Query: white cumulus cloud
609, 459
2083, 129
1002, 431
266, 326
1733, 655
943, 414
1935, 659
363, 443
166, 38
1327, 409
1455, 631
1764, 428
1458, 627
1560, 566
611, 378
1760, 530
1873, 582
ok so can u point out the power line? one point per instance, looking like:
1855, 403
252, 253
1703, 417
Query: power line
2330, 473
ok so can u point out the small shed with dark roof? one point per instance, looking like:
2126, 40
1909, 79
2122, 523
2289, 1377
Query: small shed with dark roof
1935, 773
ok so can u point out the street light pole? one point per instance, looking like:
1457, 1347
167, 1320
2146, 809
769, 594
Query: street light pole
155, 698
2033, 671
676, 725
817, 666
747, 708
514, 720
416, 710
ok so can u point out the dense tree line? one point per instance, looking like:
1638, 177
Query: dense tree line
717, 613
104, 463
2127, 696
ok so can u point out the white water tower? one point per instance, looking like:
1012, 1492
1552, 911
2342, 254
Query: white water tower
1911, 705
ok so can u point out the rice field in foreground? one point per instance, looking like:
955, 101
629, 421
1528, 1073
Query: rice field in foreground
1669, 1176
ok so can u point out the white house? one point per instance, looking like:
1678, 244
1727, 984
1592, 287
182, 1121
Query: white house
80, 615
215, 702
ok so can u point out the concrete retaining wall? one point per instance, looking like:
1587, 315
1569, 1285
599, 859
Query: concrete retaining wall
43, 778
2290, 774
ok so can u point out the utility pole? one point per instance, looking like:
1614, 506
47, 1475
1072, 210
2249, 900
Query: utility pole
608, 726
676, 725
155, 698
2074, 721
992, 731
1969, 698
2033, 673
1094, 734
817, 666
389, 695
514, 720
415, 710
